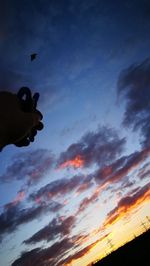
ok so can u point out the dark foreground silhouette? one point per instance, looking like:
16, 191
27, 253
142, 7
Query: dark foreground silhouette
136, 252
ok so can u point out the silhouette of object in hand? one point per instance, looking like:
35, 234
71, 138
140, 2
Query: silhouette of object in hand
33, 56
29, 104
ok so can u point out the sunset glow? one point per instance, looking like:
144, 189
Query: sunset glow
80, 188
77, 162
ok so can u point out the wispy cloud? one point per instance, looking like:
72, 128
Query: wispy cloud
144, 172
79, 254
134, 86
62, 187
127, 204
30, 167
52, 255
15, 215
89, 200
55, 254
100, 147
122, 167
114, 173
58, 227
19, 198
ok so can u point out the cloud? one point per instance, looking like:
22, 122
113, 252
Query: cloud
56, 228
55, 254
19, 198
49, 256
44, 257
87, 182
114, 173
14, 215
144, 172
79, 254
99, 147
134, 86
127, 204
30, 167
127, 183
77, 162
62, 187
122, 167
104, 176
89, 200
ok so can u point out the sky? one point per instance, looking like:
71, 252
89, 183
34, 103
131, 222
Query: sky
85, 180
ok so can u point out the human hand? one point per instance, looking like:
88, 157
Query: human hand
20, 119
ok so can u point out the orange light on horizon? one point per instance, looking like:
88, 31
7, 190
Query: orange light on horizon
77, 162
123, 210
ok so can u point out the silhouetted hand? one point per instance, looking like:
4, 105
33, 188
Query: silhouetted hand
19, 118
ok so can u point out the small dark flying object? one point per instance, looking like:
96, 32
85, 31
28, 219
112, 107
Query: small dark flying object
33, 56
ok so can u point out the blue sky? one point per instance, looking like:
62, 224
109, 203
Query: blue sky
87, 172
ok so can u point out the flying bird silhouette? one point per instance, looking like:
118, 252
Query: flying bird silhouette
33, 56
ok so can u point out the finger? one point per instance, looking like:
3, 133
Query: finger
40, 126
36, 98
39, 114
32, 134
25, 96
23, 142
31, 138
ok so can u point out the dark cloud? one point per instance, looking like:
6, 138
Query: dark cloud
122, 167
62, 187
14, 215
87, 182
144, 172
44, 257
88, 201
30, 167
127, 183
134, 86
99, 147
55, 254
50, 256
128, 203
56, 228
116, 172
109, 174
78, 254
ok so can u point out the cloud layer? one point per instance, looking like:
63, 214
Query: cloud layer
134, 86
58, 227
30, 167
98, 147
127, 204
14, 215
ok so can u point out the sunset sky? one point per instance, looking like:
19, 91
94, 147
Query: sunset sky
85, 180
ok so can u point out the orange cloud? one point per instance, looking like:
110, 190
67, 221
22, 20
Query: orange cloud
80, 254
92, 199
77, 162
85, 251
122, 167
127, 204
